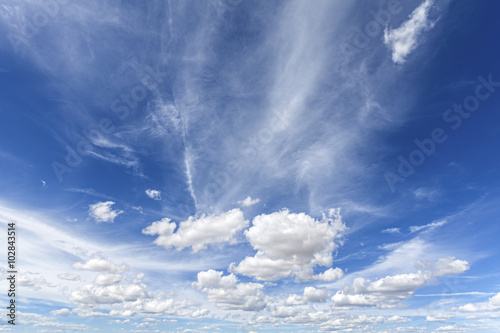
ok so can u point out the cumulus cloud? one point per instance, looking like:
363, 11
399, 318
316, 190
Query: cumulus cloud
101, 265
91, 294
198, 232
291, 244
102, 212
311, 295
153, 194
248, 202
390, 291
106, 279
403, 40
330, 275
61, 313
228, 293
493, 304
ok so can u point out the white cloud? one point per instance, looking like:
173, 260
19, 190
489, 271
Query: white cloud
492, 305
101, 265
330, 275
426, 193
94, 295
61, 312
439, 317
248, 202
427, 227
228, 294
68, 276
106, 279
391, 231
153, 194
390, 291
102, 212
312, 294
198, 232
403, 40
291, 244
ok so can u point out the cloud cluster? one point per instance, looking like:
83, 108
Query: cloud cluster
390, 291
198, 232
493, 304
290, 244
230, 294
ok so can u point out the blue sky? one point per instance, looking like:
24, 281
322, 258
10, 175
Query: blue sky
251, 166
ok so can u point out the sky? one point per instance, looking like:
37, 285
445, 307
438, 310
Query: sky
250, 166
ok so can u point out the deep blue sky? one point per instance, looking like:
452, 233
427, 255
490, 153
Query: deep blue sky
242, 166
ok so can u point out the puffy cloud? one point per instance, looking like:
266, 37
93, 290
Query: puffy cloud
106, 279
450, 266
228, 294
101, 265
291, 244
90, 294
403, 40
492, 305
248, 202
390, 291
311, 295
61, 313
330, 275
198, 232
102, 212
153, 194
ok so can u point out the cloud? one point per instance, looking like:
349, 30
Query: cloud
102, 212
248, 202
102, 265
390, 291
391, 231
429, 227
68, 276
153, 194
291, 244
228, 294
492, 305
93, 295
61, 312
106, 279
197, 232
403, 40
330, 275
439, 317
311, 295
